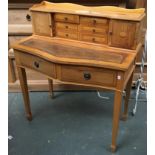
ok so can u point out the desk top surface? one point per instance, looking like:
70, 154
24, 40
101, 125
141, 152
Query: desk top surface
74, 52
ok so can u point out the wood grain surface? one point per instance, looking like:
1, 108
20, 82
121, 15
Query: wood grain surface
56, 50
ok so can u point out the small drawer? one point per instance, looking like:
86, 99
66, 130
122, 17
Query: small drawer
88, 75
93, 21
94, 30
68, 18
67, 35
94, 39
66, 27
36, 63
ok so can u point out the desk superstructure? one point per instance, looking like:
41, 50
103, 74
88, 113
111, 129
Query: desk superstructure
90, 46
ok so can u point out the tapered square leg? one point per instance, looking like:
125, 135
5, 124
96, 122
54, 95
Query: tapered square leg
51, 93
24, 88
116, 118
126, 102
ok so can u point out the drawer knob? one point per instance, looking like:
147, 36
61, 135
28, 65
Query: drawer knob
110, 32
93, 39
66, 18
87, 76
36, 64
66, 26
66, 35
94, 30
94, 21
28, 17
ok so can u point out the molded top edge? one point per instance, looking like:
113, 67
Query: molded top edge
100, 11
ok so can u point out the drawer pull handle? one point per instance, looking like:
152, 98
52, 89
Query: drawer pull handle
66, 35
94, 21
36, 64
28, 17
93, 39
66, 27
66, 18
87, 76
110, 32
94, 30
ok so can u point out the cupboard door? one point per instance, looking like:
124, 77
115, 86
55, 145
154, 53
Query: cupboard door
122, 34
42, 23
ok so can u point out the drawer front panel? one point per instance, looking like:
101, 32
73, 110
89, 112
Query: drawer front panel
67, 35
36, 63
92, 21
68, 18
66, 27
94, 39
19, 16
87, 75
94, 30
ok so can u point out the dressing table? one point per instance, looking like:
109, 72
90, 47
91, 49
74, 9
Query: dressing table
79, 45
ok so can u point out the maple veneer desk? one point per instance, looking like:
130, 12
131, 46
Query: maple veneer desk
91, 46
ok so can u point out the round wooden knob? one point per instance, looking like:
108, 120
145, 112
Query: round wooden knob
87, 76
94, 30
66, 35
110, 32
66, 18
66, 26
94, 21
93, 39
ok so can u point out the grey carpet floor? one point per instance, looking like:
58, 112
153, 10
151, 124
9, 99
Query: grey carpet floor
74, 123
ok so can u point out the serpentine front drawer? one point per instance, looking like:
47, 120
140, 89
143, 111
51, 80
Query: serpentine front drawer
36, 63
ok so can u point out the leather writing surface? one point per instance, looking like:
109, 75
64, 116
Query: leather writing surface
65, 51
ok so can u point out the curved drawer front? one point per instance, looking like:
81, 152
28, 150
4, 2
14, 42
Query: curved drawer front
88, 75
36, 63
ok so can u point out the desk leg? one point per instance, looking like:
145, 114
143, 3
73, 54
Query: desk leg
116, 118
50, 82
126, 102
24, 87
